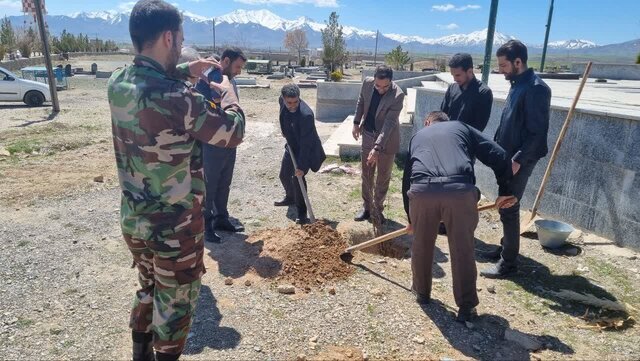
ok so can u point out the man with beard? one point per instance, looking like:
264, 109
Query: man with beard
522, 133
219, 162
298, 128
158, 124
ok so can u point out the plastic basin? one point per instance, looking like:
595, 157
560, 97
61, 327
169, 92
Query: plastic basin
553, 234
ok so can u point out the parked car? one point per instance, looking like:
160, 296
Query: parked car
14, 89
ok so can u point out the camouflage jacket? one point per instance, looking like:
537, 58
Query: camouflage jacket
158, 123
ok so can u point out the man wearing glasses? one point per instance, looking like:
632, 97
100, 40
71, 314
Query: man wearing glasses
377, 120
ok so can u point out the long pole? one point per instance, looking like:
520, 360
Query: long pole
214, 35
375, 55
491, 29
546, 37
47, 57
303, 190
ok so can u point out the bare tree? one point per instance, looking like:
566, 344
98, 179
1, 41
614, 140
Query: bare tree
296, 41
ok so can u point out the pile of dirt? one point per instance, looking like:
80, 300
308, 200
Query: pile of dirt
310, 255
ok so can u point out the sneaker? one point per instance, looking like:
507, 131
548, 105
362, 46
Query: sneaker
499, 270
466, 314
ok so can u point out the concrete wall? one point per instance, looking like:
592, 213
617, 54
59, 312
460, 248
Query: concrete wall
609, 71
336, 101
397, 75
595, 183
16, 65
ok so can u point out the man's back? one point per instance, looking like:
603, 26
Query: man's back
155, 122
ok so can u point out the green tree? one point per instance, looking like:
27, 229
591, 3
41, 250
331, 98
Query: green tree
638, 59
397, 58
7, 35
335, 53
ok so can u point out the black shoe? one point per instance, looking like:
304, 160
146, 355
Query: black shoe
363, 215
421, 299
442, 230
499, 270
492, 255
223, 224
212, 237
283, 203
466, 314
304, 220
161, 356
142, 346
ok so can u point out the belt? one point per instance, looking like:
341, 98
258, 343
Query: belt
442, 180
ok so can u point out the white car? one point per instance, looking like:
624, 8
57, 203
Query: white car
14, 89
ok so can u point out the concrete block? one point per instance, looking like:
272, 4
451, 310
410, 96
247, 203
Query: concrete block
609, 71
246, 81
399, 75
335, 101
602, 138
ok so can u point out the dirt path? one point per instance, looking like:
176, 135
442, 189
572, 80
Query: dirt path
67, 284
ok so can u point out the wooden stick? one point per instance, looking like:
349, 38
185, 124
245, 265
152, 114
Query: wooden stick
312, 219
556, 148
395, 234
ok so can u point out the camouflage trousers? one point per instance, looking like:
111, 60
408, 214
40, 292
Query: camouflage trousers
169, 274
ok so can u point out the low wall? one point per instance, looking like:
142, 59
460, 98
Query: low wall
609, 71
336, 100
16, 65
397, 74
595, 183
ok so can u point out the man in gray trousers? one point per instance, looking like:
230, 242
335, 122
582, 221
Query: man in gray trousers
438, 184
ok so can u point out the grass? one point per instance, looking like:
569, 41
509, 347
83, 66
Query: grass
24, 146
618, 276
371, 309
277, 313
70, 291
23, 243
25, 322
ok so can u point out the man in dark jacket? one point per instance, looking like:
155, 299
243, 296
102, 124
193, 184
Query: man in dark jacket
297, 124
438, 184
468, 99
523, 135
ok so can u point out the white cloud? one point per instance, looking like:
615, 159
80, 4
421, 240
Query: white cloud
451, 26
197, 1
10, 7
316, 3
126, 7
451, 7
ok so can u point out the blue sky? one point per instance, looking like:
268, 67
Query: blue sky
603, 22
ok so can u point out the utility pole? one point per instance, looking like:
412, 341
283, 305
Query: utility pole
546, 37
214, 35
47, 57
491, 29
375, 55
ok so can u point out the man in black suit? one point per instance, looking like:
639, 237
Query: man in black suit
298, 127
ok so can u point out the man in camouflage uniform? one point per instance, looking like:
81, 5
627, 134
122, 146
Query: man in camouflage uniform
158, 122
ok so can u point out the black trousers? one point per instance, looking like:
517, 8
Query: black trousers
291, 185
218, 164
510, 217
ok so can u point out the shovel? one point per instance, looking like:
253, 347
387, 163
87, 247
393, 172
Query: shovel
312, 219
347, 255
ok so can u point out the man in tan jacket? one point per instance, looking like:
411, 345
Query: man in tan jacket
377, 120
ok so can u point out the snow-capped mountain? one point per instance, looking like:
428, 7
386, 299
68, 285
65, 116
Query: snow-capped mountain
264, 29
572, 44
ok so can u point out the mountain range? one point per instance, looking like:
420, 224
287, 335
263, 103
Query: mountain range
263, 29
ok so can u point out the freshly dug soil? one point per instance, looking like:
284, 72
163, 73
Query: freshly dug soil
309, 255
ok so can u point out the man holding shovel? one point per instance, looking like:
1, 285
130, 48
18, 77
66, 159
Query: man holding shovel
522, 133
297, 124
438, 184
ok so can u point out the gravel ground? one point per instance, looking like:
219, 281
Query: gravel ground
67, 281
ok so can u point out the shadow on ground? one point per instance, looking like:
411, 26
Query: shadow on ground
206, 331
235, 257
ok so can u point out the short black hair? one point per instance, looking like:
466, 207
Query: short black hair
437, 116
290, 91
512, 50
233, 54
461, 60
383, 72
149, 19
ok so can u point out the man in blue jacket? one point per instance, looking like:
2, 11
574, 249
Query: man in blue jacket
297, 124
522, 133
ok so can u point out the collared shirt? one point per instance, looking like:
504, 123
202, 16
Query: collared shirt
471, 105
158, 123
370, 120
447, 149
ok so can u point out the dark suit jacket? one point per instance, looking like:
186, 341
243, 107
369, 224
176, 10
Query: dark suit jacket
302, 136
387, 115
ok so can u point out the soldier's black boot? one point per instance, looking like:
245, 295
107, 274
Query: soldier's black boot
142, 346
